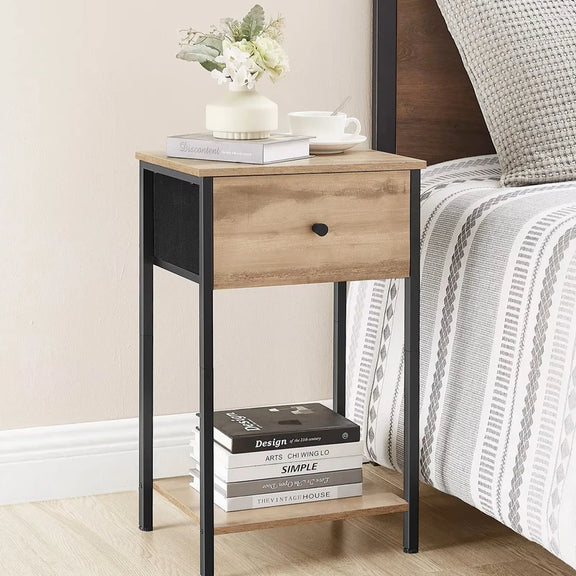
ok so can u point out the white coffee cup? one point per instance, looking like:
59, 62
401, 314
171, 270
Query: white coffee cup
323, 125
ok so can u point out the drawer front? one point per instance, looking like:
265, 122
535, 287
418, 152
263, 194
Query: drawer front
263, 228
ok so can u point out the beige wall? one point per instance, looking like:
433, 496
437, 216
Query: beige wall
84, 84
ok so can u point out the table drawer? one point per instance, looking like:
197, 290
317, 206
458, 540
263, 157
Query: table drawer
263, 228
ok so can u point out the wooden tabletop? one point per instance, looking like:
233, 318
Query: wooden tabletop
352, 161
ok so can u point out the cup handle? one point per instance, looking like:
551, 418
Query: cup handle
357, 126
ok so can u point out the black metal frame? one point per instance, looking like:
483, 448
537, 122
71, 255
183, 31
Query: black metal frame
146, 393
339, 346
412, 374
206, 297
384, 73
205, 279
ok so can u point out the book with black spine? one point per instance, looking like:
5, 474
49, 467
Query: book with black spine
280, 427
203, 146
273, 485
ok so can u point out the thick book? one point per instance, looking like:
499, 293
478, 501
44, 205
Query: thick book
273, 485
247, 473
228, 460
281, 427
203, 146
284, 498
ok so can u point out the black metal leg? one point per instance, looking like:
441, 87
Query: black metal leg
412, 373
146, 402
339, 358
206, 381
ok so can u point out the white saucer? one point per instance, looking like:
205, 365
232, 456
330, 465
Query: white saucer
318, 146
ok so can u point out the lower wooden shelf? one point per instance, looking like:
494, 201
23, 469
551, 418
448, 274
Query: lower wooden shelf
378, 497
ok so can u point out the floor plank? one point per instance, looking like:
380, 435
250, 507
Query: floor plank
98, 536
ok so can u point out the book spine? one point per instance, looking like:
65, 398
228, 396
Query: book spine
264, 442
206, 150
306, 482
284, 470
290, 497
229, 460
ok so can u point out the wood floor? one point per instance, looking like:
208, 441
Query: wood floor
98, 536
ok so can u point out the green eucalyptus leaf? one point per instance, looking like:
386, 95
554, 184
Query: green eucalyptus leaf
253, 23
207, 50
212, 42
211, 65
204, 55
198, 53
191, 56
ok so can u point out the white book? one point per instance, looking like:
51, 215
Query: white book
283, 470
203, 146
226, 459
284, 498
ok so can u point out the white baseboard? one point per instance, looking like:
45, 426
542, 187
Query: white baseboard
85, 459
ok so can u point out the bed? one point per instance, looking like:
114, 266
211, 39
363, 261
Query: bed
498, 298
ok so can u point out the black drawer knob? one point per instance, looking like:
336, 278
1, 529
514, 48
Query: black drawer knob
320, 229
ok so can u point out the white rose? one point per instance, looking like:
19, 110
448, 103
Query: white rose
270, 55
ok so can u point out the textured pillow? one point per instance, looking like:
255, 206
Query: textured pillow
521, 58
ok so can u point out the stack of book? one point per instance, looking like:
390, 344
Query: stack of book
203, 146
277, 455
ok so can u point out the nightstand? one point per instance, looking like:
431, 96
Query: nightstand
353, 216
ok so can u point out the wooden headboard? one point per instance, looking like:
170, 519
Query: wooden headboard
423, 103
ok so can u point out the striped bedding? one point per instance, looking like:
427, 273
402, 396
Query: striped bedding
498, 350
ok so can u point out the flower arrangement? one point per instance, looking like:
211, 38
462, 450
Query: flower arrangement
239, 52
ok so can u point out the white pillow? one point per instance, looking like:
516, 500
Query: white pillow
521, 58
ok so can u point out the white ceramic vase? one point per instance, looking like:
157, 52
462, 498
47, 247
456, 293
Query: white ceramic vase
242, 114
